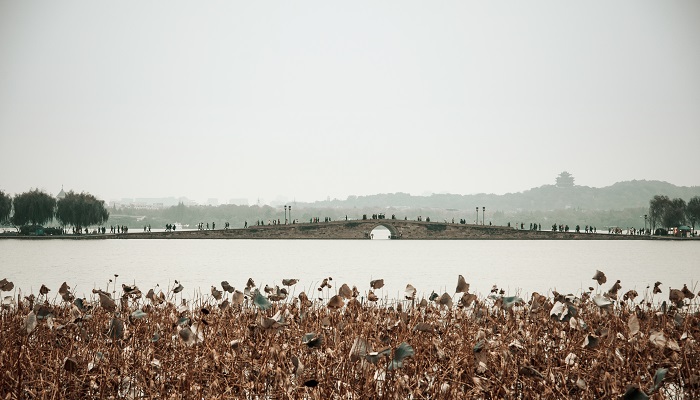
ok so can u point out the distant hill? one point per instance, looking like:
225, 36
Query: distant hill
621, 195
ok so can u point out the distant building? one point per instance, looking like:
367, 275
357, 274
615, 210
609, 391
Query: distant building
238, 202
61, 194
151, 203
565, 179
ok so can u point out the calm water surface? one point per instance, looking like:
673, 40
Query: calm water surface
519, 267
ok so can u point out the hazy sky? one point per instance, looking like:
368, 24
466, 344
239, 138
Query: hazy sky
309, 99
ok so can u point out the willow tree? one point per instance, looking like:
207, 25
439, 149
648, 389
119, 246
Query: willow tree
657, 208
34, 206
5, 207
692, 211
81, 210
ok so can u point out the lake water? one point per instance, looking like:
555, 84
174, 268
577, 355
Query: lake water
519, 267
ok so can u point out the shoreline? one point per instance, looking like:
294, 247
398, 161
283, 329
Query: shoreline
309, 232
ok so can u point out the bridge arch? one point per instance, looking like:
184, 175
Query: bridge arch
394, 233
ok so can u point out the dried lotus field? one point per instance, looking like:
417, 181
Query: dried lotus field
346, 343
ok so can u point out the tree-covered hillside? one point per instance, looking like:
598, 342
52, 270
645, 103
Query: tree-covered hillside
630, 194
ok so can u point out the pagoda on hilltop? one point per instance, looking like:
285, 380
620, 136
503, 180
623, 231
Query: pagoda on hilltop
61, 194
565, 179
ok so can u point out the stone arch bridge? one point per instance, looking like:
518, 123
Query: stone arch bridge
361, 229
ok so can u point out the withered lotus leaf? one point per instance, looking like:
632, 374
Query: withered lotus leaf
528, 370
633, 324
64, 288
687, 293
630, 295
657, 338
298, 366
376, 284
304, 300
659, 377
509, 302
215, 293
289, 282
237, 297
374, 356
335, 302
5, 285
601, 301
227, 288
261, 301
410, 292
30, 322
345, 291
312, 340
613, 290
633, 392
559, 311
462, 285
590, 341
676, 296
600, 277
267, 323
371, 296
43, 311
106, 302
70, 364
404, 350
131, 290
116, 329
445, 300
311, 383
187, 336
279, 296
423, 327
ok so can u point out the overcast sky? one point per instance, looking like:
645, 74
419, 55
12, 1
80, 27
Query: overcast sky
309, 99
